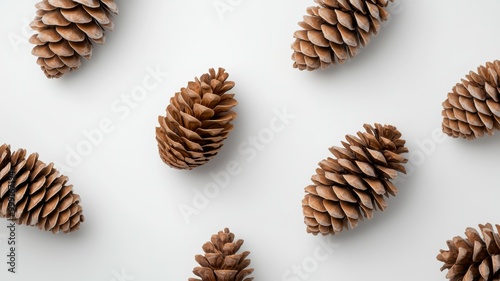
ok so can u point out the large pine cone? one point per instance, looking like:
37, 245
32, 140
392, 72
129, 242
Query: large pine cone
473, 107
335, 30
473, 258
350, 187
221, 261
33, 193
197, 121
66, 30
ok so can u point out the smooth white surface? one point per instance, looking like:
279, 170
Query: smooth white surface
134, 229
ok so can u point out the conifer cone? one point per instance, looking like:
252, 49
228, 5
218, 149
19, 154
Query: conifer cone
66, 30
197, 121
351, 186
473, 258
33, 193
335, 30
221, 261
472, 109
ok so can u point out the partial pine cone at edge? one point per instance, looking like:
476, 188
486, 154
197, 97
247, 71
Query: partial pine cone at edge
222, 261
198, 120
351, 186
335, 30
66, 31
473, 257
35, 194
472, 108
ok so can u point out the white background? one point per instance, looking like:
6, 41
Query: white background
134, 229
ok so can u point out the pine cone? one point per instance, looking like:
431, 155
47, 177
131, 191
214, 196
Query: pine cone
350, 187
197, 121
473, 258
221, 262
335, 30
33, 193
473, 107
66, 30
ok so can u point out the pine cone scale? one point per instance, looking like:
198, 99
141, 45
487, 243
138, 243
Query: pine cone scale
225, 275
54, 17
363, 22
326, 192
333, 208
495, 263
99, 14
76, 15
333, 35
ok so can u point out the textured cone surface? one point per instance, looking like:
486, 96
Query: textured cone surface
473, 258
197, 121
472, 109
66, 30
33, 193
351, 186
221, 262
335, 30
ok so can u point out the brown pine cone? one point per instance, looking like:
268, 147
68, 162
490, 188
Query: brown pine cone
350, 187
66, 30
473, 258
473, 107
33, 193
221, 261
197, 121
335, 30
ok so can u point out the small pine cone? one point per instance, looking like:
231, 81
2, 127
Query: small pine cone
473, 107
197, 121
473, 258
221, 261
66, 30
33, 193
335, 30
350, 187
